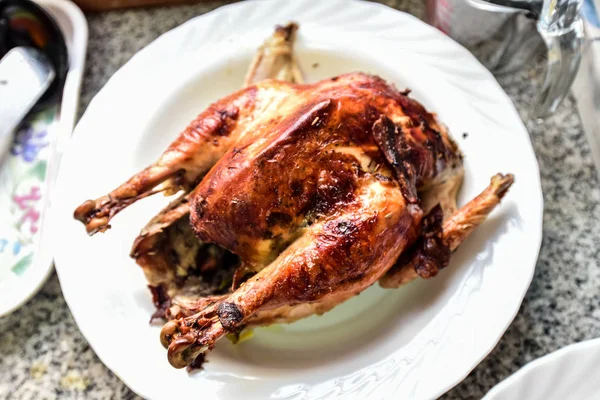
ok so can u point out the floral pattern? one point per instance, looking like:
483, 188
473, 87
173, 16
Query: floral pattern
22, 197
28, 143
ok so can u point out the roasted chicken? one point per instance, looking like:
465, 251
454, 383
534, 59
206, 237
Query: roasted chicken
302, 195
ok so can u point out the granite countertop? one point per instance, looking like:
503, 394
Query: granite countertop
43, 354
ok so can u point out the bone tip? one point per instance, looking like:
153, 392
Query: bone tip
167, 332
287, 30
85, 214
96, 225
183, 351
85, 211
501, 183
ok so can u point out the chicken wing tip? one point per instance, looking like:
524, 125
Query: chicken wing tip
288, 29
85, 214
501, 183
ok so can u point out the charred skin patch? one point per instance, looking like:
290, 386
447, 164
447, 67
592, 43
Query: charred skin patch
229, 315
161, 301
198, 363
199, 205
429, 253
228, 117
399, 154
383, 178
279, 219
417, 150
345, 228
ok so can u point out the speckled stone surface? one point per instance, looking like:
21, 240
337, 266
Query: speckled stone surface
43, 355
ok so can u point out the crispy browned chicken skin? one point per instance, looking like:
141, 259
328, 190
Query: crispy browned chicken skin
319, 189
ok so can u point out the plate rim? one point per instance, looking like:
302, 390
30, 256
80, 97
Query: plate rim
536, 184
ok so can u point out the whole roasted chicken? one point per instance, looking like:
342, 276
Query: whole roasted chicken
296, 196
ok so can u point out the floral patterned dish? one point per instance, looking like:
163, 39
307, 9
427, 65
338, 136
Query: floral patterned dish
27, 173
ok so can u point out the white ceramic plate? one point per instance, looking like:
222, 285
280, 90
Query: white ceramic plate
569, 373
28, 173
425, 337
